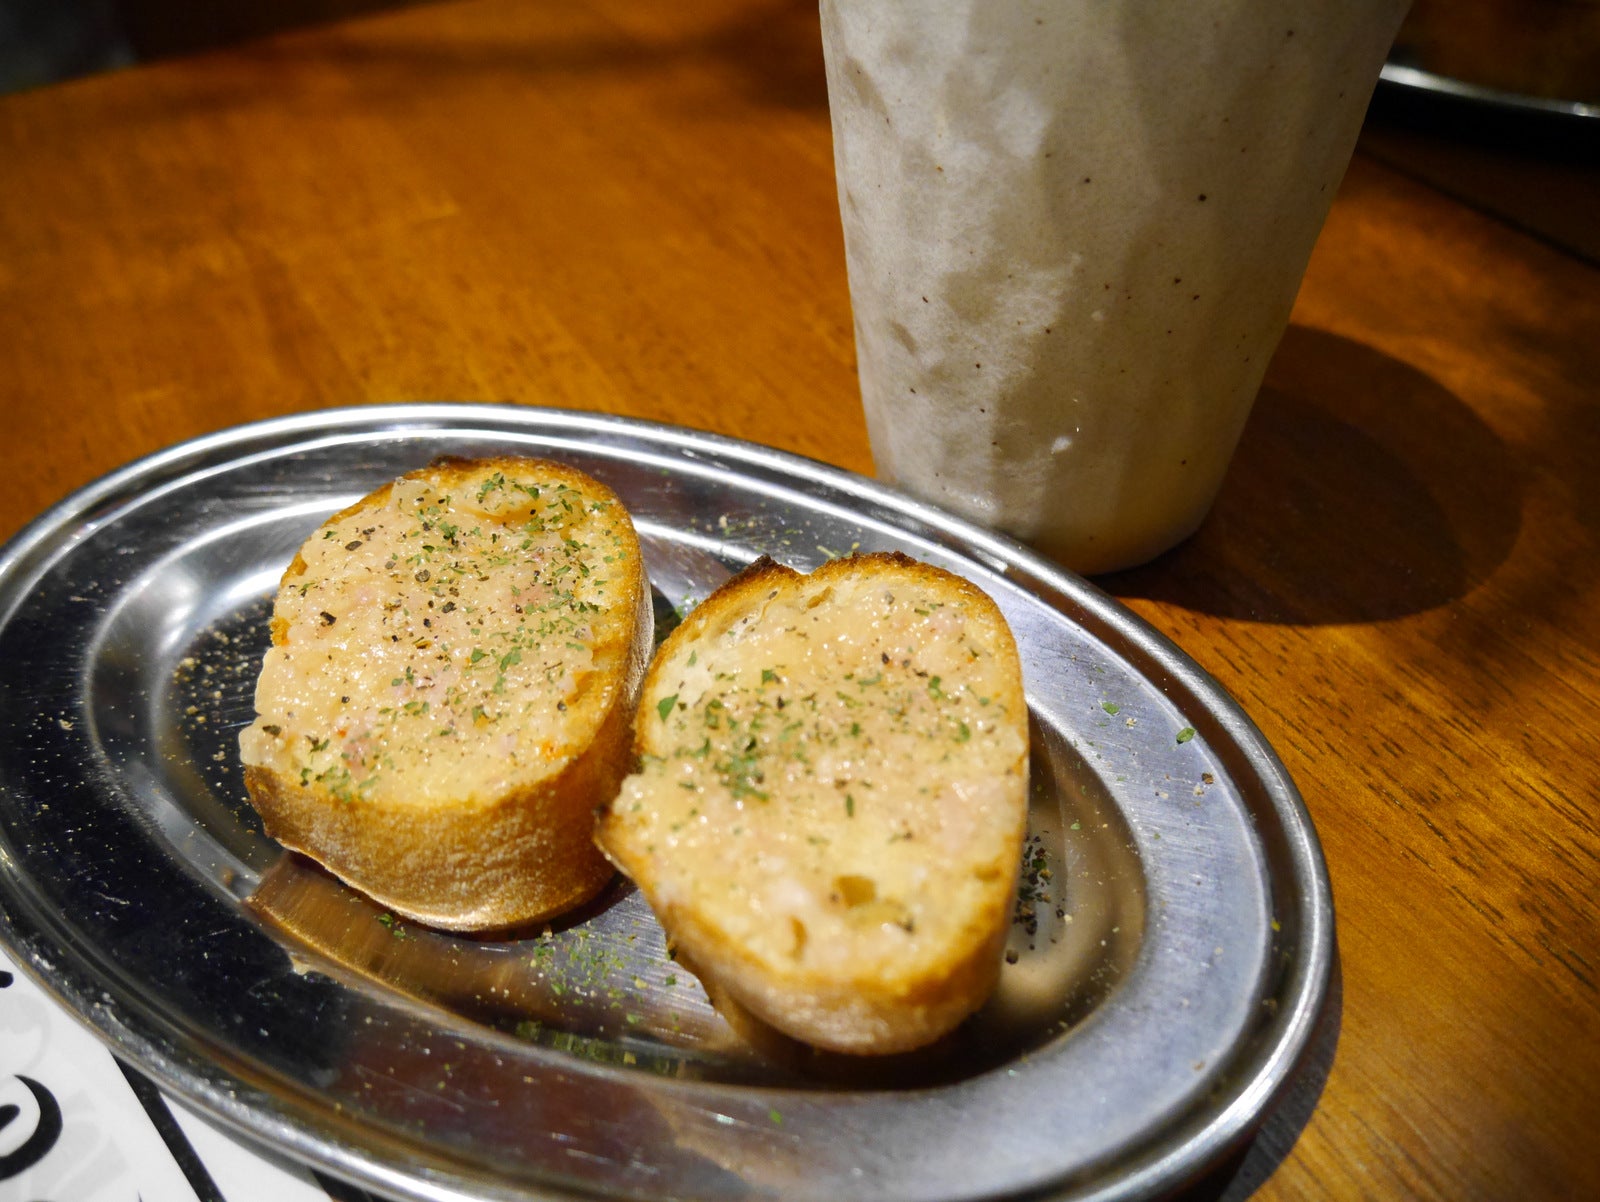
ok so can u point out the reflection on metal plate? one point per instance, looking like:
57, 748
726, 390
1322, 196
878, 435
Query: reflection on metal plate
1171, 944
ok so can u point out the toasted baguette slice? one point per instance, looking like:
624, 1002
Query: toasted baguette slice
831, 801
450, 689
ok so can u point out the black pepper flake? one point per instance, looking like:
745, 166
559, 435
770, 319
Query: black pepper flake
353, 545
423, 576
328, 619
1031, 886
447, 607
273, 730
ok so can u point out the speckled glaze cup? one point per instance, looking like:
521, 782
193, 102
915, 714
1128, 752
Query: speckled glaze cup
1074, 232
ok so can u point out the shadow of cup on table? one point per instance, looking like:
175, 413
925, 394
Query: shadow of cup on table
1361, 490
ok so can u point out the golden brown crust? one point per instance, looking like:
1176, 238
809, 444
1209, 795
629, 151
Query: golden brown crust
476, 861
869, 1004
521, 858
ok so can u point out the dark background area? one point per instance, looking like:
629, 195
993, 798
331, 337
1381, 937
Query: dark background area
46, 41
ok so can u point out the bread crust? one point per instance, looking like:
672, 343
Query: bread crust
482, 858
872, 1003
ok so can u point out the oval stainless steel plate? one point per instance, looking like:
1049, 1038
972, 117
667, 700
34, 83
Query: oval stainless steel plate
1171, 949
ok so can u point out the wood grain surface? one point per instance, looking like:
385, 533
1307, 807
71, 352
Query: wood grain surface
629, 206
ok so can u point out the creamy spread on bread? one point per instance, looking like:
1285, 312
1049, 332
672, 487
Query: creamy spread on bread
450, 688
423, 633
832, 790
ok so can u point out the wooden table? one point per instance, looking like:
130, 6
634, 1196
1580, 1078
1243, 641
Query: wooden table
629, 206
